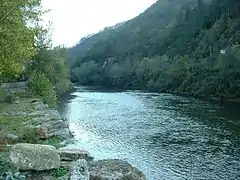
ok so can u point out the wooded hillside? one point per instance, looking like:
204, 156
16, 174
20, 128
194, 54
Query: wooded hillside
186, 46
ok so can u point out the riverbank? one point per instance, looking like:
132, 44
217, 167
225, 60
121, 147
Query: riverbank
29, 120
29, 125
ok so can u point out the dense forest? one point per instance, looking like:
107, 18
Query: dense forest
187, 46
26, 52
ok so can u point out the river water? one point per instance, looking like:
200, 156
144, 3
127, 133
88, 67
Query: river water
168, 137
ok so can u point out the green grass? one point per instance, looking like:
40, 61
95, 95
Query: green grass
17, 125
23, 105
12, 124
12, 120
53, 141
54, 174
60, 172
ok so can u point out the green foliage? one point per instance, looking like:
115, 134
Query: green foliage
2, 94
51, 63
12, 123
15, 126
173, 50
26, 48
10, 98
60, 172
53, 141
42, 87
29, 135
17, 37
12, 176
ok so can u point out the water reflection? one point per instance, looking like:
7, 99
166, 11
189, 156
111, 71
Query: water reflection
168, 137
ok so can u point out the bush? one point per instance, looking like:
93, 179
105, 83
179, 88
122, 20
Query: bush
63, 87
29, 135
2, 94
42, 87
60, 172
10, 98
12, 176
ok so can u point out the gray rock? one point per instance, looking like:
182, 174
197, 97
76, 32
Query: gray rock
52, 114
47, 178
79, 170
12, 137
35, 100
67, 142
66, 177
39, 105
4, 114
74, 154
52, 125
37, 113
61, 133
16, 102
34, 157
55, 124
114, 169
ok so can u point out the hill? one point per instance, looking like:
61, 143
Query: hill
186, 46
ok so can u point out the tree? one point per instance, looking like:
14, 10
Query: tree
18, 28
159, 50
51, 62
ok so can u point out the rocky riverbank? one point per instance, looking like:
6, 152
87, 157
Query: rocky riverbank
33, 139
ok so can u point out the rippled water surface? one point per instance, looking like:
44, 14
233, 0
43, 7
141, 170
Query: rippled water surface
168, 137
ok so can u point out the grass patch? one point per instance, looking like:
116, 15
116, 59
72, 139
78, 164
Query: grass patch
12, 121
2, 94
53, 141
54, 174
12, 124
24, 105
60, 172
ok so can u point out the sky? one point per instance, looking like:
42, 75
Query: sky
73, 19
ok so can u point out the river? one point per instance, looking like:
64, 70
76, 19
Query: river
168, 137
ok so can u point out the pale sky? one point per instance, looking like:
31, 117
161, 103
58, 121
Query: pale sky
74, 19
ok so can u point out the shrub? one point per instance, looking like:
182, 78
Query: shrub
63, 87
42, 87
60, 172
3, 141
2, 94
29, 135
13, 176
10, 98
53, 141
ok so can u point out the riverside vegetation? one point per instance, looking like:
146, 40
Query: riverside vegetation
26, 54
32, 132
187, 46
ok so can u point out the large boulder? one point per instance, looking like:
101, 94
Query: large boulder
79, 170
34, 157
74, 154
114, 169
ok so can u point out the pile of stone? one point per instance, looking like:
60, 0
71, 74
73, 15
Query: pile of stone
80, 163
39, 158
49, 120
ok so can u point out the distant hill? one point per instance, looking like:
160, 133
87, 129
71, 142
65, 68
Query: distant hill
174, 45
155, 19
